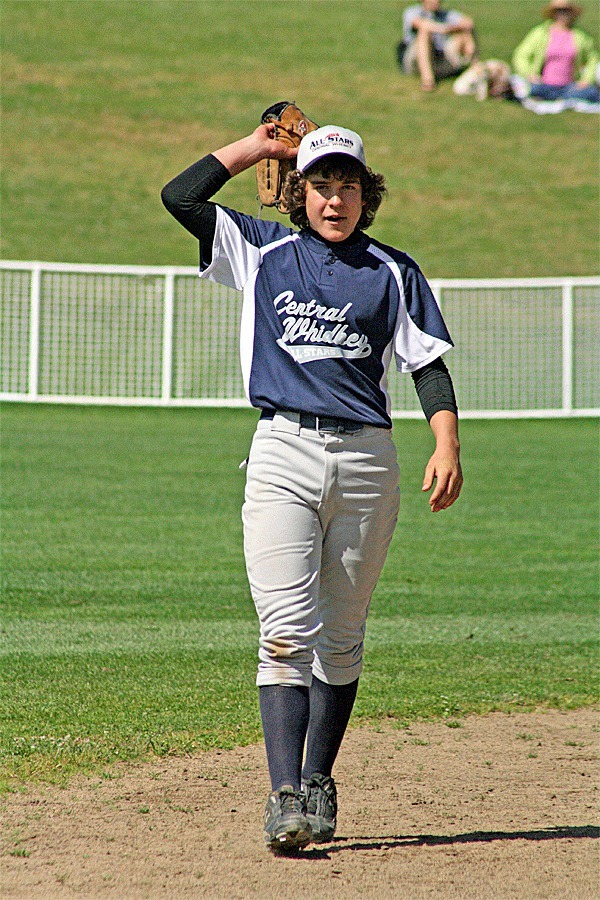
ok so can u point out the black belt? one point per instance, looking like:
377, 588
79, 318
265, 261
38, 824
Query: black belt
327, 424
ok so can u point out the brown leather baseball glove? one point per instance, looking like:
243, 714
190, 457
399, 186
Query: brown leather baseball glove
290, 127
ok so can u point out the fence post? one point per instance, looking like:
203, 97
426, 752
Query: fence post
567, 347
167, 348
34, 333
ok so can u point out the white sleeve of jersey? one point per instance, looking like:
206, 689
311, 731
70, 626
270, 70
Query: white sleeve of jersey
413, 346
234, 259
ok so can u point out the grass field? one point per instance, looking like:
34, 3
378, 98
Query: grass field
127, 626
103, 102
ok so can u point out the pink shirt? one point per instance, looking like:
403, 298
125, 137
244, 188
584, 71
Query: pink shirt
560, 58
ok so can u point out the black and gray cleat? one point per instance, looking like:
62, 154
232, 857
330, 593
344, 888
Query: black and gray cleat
321, 806
287, 828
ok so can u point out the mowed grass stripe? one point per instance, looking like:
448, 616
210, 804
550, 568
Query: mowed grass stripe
71, 638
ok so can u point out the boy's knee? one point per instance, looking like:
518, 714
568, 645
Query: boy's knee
339, 661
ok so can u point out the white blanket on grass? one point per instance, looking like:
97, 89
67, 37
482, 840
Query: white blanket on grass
545, 107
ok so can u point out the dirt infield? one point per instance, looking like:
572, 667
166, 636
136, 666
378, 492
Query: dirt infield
502, 806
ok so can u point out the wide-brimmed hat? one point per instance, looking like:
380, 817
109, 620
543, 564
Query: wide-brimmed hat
552, 8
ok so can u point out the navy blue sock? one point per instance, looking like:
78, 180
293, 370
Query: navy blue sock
330, 708
284, 712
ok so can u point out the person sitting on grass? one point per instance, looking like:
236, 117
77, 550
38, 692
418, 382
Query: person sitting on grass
555, 60
437, 43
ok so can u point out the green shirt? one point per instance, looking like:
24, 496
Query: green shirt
530, 56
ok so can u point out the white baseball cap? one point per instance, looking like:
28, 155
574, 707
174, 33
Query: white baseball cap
326, 141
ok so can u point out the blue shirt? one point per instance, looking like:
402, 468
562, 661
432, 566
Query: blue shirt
321, 322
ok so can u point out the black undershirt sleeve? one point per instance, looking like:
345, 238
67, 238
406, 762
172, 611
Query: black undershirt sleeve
186, 199
434, 388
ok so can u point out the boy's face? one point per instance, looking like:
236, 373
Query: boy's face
334, 204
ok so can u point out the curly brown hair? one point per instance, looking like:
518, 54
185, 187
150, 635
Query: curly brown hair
335, 166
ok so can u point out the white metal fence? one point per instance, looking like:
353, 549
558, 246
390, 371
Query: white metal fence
138, 335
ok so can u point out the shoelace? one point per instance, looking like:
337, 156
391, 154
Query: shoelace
290, 802
313, 796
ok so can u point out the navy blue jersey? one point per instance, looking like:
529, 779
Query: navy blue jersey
321, 322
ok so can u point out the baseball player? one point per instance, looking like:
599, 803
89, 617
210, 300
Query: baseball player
325, 310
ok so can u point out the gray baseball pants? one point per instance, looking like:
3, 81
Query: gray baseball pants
319, 514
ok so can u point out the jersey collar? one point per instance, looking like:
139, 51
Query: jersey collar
355, 244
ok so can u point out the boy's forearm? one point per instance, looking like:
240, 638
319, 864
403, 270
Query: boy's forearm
261, 144
240, 155
444, 425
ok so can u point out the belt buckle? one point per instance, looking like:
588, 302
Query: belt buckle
339, 428
327, 429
